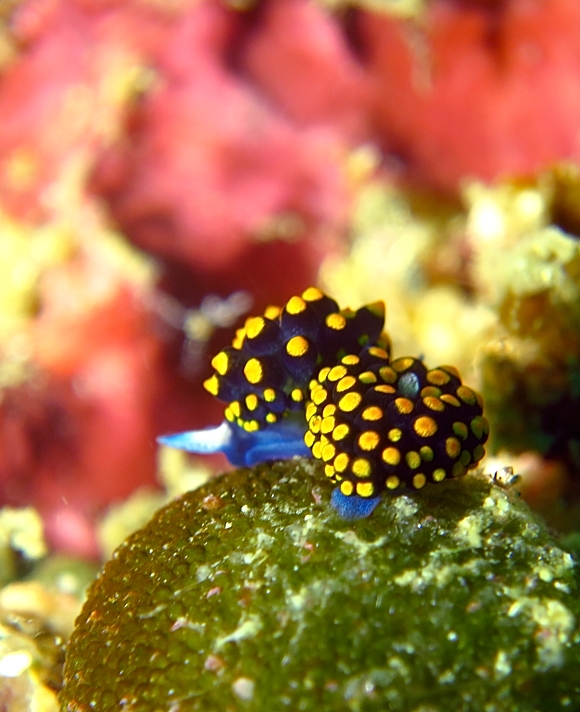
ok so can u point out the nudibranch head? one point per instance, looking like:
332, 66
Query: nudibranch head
379, 424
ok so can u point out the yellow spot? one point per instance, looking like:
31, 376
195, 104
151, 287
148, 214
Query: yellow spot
384, 389
394, 435
238, 339
402, 364
466, 395
315, 424
327, 425
295, 305
345, 383
413, 459
229, 415
329, 410
269, 395
312, 294
319, 396
361, 467
253, 371
350, 360
430, 391
272, 312
221, 363
336, 373
316, 449
419, 480
254, 326
458, 470
373, 412
252, 401
479, 399
341, 462
439, 474
365, 489
251, 426
403, 405
478, 453
349, 402
297, 395
369, 440
460, 429
392, 482
271, 418
340, 432
367, 377
452, 447
212, 385
479, 426
450, 369
335, 321
309, 438
426, 453
329, 470
347, 488
378, 353
425, 426
323, 374
433, 403
235, 408
297, 346
311, 410
328, 452
387, 374
450, 400
438, 377
391, 456
465, 457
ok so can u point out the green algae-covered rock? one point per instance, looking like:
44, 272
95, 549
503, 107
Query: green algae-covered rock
251, 594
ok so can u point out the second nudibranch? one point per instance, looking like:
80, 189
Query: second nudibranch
314, 380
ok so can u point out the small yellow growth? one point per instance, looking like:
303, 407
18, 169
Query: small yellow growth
387, 374
340, 432
309, 438
297, 395
450, 369
349, 402
392, 482
328, 452
253, 371
327, 425
460, 429
419, 480
373, 412
271, 418
341, 462
312, 294
384, 389
466, 395
425, 426
336, 373
229, 415
254, 326
361, 467
439, 474
238, 340
465, 457
433, 403
365, 489
335, 321
479, 399
430, 391
378, 353
235, 408
212, 385
347, 488
395, 434
329, 410
345, 383
458, 470
369, 440
478, 453
438, 377
315, 424
323, 374
350, 360
251, 401
319, 395
452, 447
272, 312
270, 395
413, 459
479, 426
317, 450
221, 363
377, 308
297, 346
295, 305
329, 470
251, 426
426, 453
367, 377
311, 410
450, 400
402, 364
391, 456
404, 405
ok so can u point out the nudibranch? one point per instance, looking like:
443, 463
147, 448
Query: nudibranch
313, 380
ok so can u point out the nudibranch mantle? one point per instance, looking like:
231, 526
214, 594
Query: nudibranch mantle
311, 380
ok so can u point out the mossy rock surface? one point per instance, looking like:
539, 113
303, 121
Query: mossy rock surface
251, 594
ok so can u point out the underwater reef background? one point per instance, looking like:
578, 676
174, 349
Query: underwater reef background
169, 167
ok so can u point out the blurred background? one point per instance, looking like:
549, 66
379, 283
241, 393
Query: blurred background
168, 166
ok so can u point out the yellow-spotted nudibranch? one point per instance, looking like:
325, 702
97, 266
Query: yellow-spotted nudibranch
313, 380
